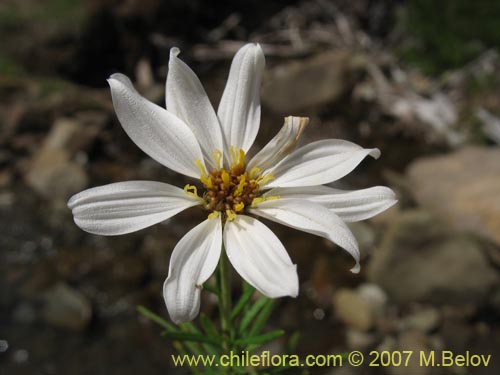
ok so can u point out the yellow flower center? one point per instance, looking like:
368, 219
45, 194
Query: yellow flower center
229, 191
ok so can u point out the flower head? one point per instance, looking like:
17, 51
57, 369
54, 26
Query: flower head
279, 183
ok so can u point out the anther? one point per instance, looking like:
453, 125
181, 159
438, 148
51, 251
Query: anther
191, 190
213, 215
217, 155
230, 215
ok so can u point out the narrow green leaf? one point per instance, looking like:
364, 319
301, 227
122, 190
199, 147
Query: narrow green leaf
156, 318
209, 327
189, 327
261, 339
210, 288
182, 351
187, 336
262, 318
198, 348
246, 286
241, 370
242, 302
293, 342
251, 313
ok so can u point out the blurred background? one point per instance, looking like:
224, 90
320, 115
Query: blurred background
419, 79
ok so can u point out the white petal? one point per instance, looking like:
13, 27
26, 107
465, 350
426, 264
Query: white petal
193, 261
260, 258
187, 99
126, 207
311, 218
319, 163
239, 108
160, 134
281, 145
350, 206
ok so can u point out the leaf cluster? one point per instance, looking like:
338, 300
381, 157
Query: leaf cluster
249, 320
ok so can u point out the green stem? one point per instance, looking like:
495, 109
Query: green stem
225, 301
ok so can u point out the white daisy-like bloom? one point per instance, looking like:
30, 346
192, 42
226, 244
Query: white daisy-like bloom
279, 183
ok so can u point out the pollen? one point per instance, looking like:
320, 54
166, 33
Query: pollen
191, 190
213, 215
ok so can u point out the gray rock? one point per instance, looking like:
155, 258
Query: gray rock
24, 313
375, 296
297, 85
54, 176
352, 309
421, 260
360, 308
425, 320
461, 189
358, 340
415, 342
408, 341
53, 172
128, 269
66, 307
364, 233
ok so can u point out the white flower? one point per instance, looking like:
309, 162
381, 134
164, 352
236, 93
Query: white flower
278, 183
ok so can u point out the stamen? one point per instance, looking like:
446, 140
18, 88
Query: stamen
241, 160
237, 158
191, 190
259, 200
272, 198
213, 215
230, 215
203, 174
217, 155
262, 180
254, 172
256, 201
234, 156
225, 179
209, 183
239, 207
201, 167
241, 186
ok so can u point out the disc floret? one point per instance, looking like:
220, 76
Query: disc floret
229, 191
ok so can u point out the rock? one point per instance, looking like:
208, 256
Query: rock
388, 344
461, 189
24, 313
360, 308
364, 233
297, 85
322, 282
4, 346
39, 278
358, 340
352, 309
424, 320
495, 301
415, 342
66, 307
435, 111
375, 296
421, 260
52, 172
154, 248
128, 269
53, 175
